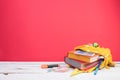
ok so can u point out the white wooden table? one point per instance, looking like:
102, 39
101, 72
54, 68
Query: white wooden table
32, 71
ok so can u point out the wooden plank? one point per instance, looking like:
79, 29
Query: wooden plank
32, 71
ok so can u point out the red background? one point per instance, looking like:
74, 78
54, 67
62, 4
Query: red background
44, 30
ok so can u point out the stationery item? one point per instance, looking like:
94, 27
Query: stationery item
95, 45
97, 68
60, 69
49, 66
88, 59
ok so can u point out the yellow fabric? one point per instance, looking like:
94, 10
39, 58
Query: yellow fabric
75, 72
101, 51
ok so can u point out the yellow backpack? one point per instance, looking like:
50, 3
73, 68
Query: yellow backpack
105, 52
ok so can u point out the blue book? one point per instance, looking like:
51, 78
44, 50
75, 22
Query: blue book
80, 52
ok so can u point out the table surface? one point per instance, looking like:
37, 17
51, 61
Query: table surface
32, 71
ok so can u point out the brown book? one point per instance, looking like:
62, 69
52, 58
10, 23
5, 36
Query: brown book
88, 59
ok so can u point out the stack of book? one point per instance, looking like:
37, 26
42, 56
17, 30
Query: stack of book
82, 60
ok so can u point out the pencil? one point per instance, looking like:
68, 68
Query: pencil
97, 68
